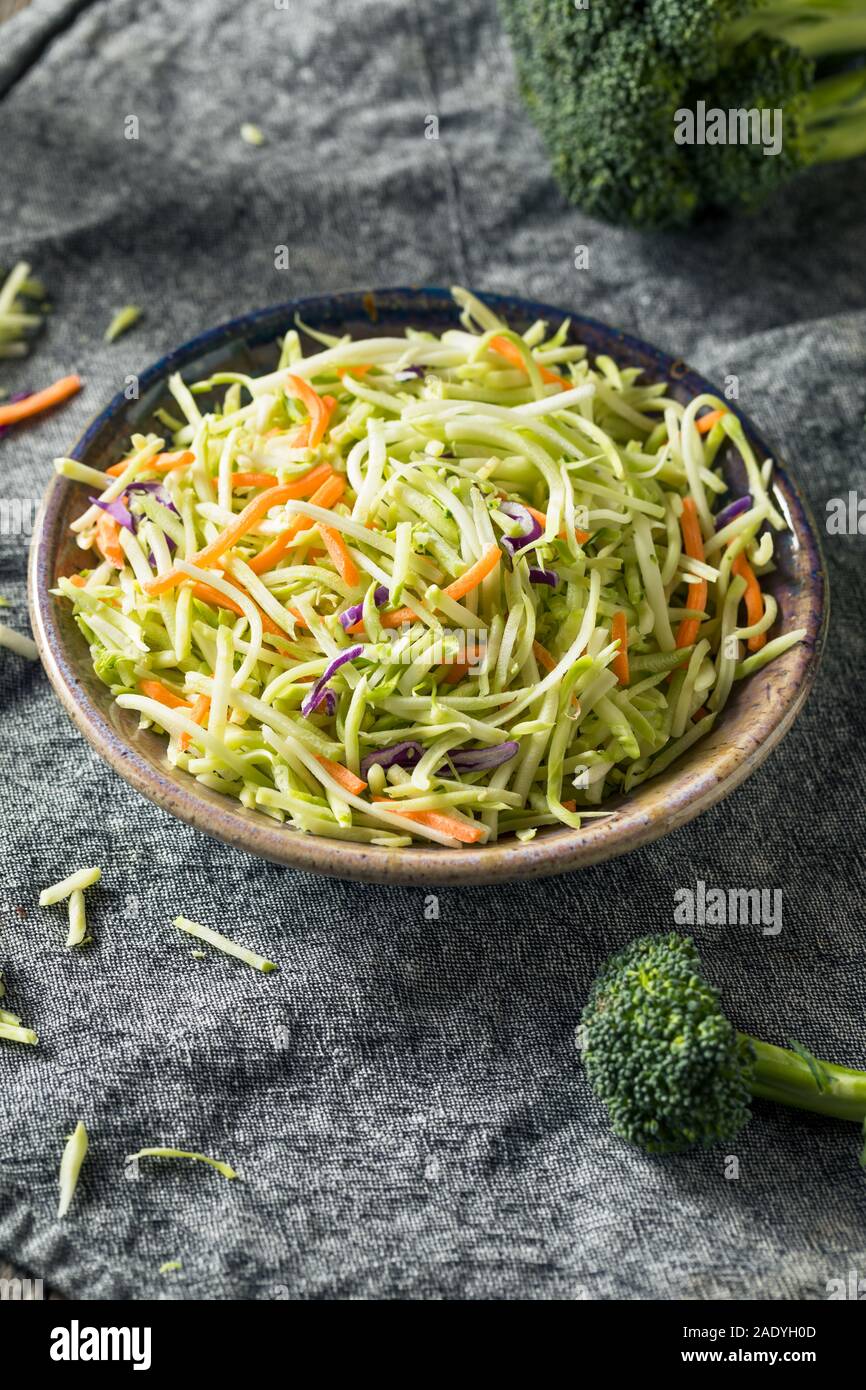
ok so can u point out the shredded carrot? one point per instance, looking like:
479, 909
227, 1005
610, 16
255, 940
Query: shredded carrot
243, 522
242, 480
706, 422
330, 492
160, 463
155, 690
543, 657
455, 672
582, 536
699, 714
619, 631
511, 352
693, 545
198, 714
569, 805
456, 590
218, 600
318, 411
361, 370
754, 599
339, 553
475, 574
693, 541
107, 533
166, 463
687, 632
437, 820
78, 580
347, 779
301, 438
34, 404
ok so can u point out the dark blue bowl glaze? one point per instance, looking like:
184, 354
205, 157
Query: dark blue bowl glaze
759, 713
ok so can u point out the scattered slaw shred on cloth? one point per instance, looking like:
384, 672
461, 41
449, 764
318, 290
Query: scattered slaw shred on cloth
428, 589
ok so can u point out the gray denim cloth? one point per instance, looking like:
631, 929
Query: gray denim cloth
404, 1098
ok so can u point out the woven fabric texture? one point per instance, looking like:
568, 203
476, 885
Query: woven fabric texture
404, 1097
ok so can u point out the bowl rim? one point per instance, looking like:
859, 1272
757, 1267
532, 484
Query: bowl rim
639, 819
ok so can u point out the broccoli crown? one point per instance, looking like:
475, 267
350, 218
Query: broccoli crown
604, 84
660, 1053
694, 30
601, 121
769, 76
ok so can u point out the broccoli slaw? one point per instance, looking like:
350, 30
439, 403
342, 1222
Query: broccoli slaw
435, 588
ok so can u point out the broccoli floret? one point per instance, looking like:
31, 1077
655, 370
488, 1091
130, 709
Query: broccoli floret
599, 130
768, 76
671, 1068
604, 83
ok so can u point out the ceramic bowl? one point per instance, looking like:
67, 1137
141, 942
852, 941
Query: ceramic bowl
757, 716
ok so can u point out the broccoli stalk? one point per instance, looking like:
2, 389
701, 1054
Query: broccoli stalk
671, 1068
835, 119
794, 1078
604, 85
819, 28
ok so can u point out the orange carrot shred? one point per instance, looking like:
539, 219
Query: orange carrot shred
512, 354
318, 411
218, 600
706, 422
330, 492
346, 778
14, 411
339, 553
244, 480
619, 631
582, 536
155, 690
543, 657
754, 600
107, 533
160, 463
361, 370
198, 713
457, 589
243, 522
472, 577
438, 820
693, 545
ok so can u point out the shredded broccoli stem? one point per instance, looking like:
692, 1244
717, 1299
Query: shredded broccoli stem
83, 878
224, 1168
74, 1155
77, 919
122, 321
18, 642
222, 943
13, 1033
482, 505
21, 310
